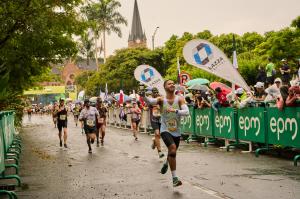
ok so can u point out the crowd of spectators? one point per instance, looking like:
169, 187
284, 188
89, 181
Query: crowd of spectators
272, 90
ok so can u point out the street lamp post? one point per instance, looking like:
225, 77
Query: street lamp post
153, 36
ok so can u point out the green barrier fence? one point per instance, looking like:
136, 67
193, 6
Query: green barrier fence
187, 123
255, 124
8, 149
204, 122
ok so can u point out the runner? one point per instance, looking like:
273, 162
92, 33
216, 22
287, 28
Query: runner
172, 107
62, 122
135, 119
89, 115
76, 113
101, 124
155, 123
54, 112
29, 113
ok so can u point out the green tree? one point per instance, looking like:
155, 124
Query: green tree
33, 35
105, 18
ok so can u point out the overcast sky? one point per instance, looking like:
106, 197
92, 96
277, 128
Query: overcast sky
218, 16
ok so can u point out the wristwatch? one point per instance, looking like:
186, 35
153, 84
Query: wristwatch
176, 111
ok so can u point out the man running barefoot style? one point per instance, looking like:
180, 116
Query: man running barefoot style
89, 115
155, 124
101, 124
62, 122
172, 108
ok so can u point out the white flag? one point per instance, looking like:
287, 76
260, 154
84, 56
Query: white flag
149, 76
208, 57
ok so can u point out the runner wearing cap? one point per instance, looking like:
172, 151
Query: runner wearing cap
62, 122
89, 115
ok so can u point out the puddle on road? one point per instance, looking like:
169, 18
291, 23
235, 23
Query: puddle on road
271, 174
42, 154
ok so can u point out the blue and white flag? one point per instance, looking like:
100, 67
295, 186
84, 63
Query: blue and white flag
150, 77
208, 57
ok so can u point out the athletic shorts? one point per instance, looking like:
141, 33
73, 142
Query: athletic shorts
170, 139
62, 124
89, 130
155, 125
99, 125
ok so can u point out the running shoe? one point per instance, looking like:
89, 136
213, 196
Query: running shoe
65, 145
176, 182
136, 139
161, 155
164, 168
97, 143
90, 150
60, 143
102, 143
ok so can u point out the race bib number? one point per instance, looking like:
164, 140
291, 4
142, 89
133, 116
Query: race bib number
90, 123
62, 117
101, 120
172, 125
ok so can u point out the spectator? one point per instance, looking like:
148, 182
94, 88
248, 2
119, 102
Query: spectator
202, 102
189, 101
294, 95
261, 76
280, 102
285, 72
272, 95
270, 72
221, 100
277, 83
259, 94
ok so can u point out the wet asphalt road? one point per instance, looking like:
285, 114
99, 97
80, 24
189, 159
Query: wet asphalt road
124, 168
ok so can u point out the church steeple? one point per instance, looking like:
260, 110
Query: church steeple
137, 37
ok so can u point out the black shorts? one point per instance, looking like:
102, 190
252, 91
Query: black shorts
170, 139
155, 125
89, 130
62, 124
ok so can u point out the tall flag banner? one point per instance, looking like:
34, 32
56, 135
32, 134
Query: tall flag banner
178, 71
121, 97
208, 57
234, 56
150, 77
106, 91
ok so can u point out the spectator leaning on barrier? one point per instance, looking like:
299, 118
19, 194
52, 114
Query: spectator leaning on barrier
285, 72
259, 94
293, 97
270, 72
221, 100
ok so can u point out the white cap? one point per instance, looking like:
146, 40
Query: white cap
239, 91
259, 85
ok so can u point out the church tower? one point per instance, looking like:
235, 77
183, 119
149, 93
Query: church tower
137, 37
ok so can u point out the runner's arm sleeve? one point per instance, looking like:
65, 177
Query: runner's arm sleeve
184, 110
150, 101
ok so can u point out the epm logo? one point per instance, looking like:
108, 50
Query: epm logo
202, 54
